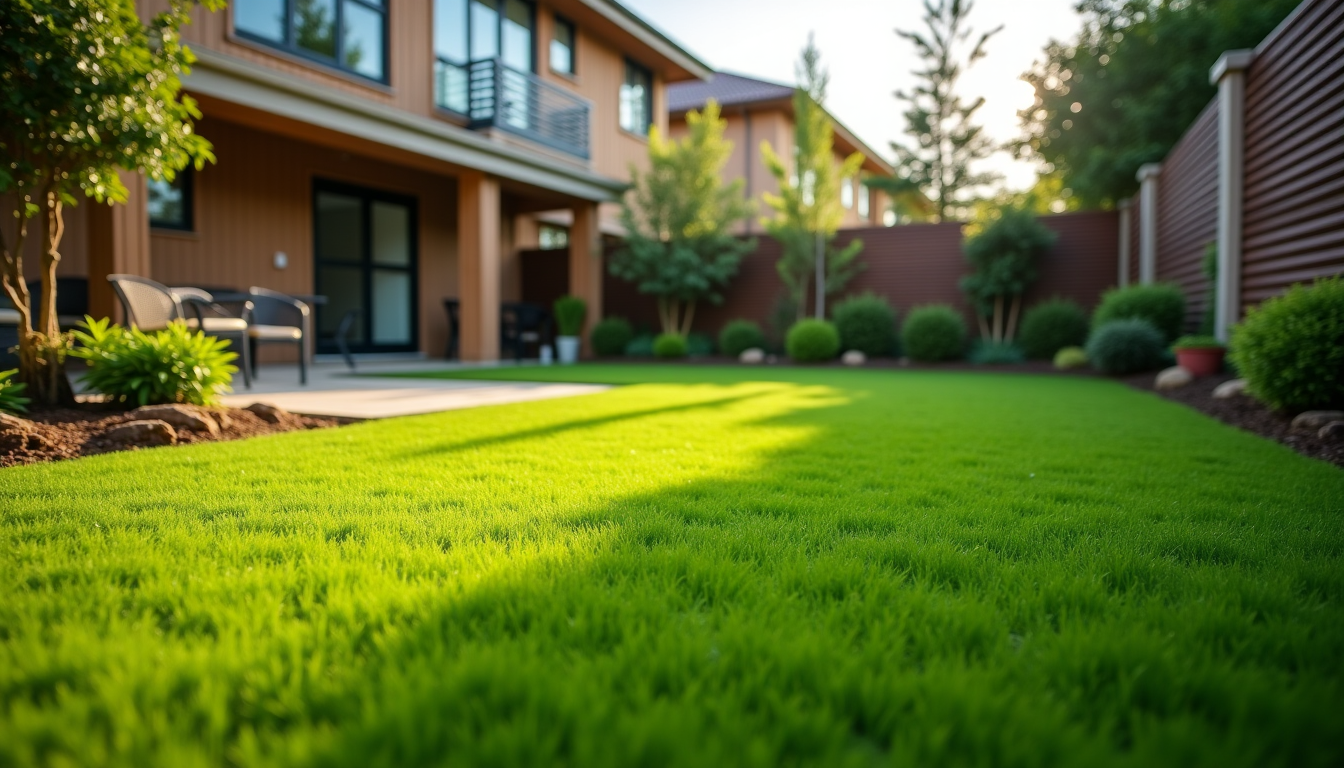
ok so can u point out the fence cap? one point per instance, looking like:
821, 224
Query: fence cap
1231, 61
1148, 170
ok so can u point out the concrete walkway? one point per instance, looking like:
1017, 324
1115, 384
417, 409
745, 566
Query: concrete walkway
333, 391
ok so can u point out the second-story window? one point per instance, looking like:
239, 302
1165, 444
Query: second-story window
348, 34
864, 202
471, 31
847, 193
636, 99
563, 45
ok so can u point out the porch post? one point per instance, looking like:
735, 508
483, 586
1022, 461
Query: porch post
1148, 175
118, 244
1229, 74
478, 264
585, 263
1126, 210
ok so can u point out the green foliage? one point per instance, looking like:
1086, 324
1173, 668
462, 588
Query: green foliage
934, 333
11, 394
812, 341
1003, 253
670, 345
808, 205
1125, 90
1126, 346
1197, 342
1290, 349
611, 336
740, 335
940, 126
996, 353
1070, 358
1051, 326
866, 323
1161, 304
1209, 266
570, 312
679, 218
174, 365
640, 346
700, 345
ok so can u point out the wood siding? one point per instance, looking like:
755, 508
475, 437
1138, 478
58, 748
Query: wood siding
1187, 212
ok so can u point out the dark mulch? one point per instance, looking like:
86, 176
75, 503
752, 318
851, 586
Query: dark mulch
69, 433
1245, 412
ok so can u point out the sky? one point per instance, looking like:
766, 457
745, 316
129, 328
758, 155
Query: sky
867, 61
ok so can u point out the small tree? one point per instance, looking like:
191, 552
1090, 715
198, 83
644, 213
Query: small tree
1003, 255
86, 90
808, 211
678, 218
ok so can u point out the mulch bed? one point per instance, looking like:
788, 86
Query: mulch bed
69, 433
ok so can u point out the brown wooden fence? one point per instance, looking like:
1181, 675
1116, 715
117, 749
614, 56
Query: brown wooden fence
1187, 212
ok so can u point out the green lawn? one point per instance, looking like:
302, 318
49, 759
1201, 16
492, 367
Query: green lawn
828, 567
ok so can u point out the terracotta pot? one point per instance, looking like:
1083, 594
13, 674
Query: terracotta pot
1201, 361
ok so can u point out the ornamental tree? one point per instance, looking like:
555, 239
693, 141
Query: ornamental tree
678, 217
86, 90
1003, 255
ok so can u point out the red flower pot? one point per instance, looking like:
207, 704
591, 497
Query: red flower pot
1201, 361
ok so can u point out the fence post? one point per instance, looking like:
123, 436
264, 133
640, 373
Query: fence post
1148, 175
1229, 74
1126, 209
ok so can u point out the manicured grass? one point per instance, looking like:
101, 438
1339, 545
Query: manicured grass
832, 568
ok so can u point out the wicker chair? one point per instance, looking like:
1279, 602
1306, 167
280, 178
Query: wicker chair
151, 306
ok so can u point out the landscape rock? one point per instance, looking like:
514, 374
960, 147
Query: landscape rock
179, 416
752, 356
14, 432
1173, 378
1316, 419
854, 357
268, 413
1333, 431
144, 433
904, 362
1230, 389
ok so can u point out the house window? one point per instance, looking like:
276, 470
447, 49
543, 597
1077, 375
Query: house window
637, 99
563, 45
170, 205
467, 31
864, 202
553, 238
347, 34
847, 193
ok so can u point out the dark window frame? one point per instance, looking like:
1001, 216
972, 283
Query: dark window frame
631, 64
499, 43
561, 21
186, 182
290, 44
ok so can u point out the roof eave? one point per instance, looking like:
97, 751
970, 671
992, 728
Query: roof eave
651, 36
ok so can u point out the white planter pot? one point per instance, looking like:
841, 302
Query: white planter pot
568, 347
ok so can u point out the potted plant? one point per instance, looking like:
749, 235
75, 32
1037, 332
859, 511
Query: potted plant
569, 314
1200, 355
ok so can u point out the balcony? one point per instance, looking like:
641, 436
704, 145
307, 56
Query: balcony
493, 95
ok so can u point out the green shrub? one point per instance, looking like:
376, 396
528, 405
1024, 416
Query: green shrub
670, 345
611, 336
1126, 346
1197, 342
640, 346
866, 323
174, 365
1069, 358
1162, 305
1051, 326
699, 345
1291, 348
11, 393
996, 353
569, 315
740, 335
934, 333
812, 341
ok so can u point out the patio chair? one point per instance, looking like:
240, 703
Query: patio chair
151, 306
277, 317
522, 324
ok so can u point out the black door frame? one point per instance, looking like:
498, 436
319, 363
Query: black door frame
367, 196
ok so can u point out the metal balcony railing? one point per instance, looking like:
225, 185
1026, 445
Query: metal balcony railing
493, 95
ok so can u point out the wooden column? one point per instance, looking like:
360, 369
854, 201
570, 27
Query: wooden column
1148, 175
118, 244
585, 264
478, 263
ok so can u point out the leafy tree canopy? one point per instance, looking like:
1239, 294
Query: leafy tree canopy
1003, 253
1127, 88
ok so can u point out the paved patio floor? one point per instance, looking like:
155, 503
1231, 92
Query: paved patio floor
333, 391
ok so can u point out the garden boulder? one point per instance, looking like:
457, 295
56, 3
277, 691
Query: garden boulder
15, 432
854, 357
1334, 431
180, 417
1230, 389
1173, 378
268, 413
753, 356
1316, 419
143, 433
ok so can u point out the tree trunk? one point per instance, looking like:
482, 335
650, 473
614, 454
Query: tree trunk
42, 349
984, 325
821, 276
998, 319
687, 318
1011, 330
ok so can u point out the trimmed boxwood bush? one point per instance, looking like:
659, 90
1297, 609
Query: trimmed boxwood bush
1051, 326
1290, 349
934, 333
1069, 358
669, 345
1162, 305
740, 335
866, 323
611, 336
812, 341
1126, 346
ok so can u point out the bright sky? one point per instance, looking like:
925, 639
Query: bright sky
866, 59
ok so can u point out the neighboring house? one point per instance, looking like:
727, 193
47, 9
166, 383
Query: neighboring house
757, 111
390, 156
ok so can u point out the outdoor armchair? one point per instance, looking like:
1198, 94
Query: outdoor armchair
277, 317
